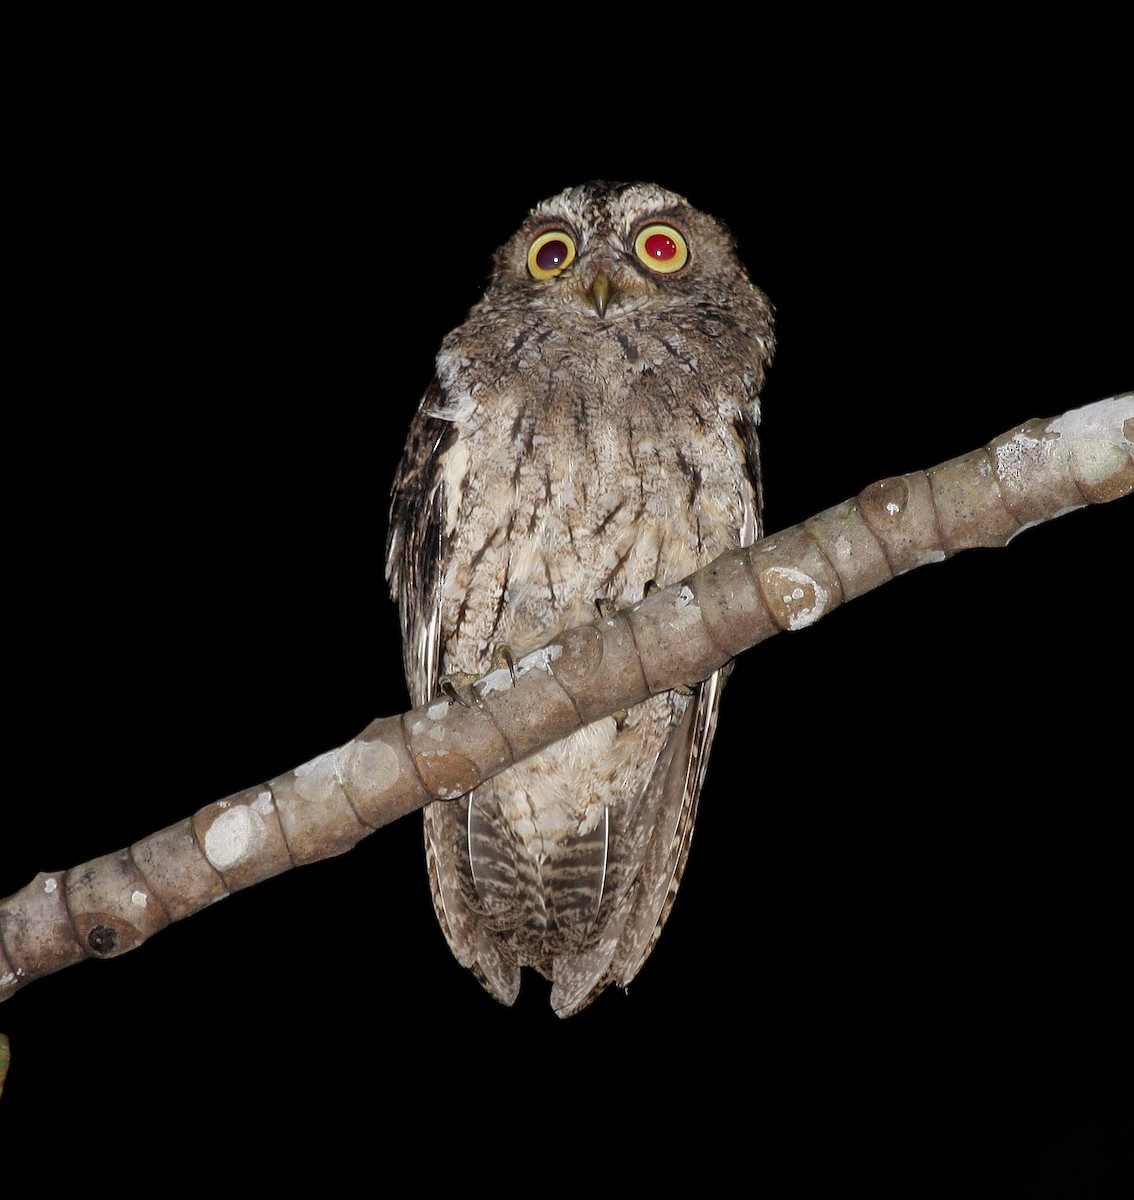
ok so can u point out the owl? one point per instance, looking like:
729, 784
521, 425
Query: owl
590, 432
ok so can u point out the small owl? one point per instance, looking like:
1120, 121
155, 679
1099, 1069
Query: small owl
590, 432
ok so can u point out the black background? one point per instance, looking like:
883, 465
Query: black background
899, 954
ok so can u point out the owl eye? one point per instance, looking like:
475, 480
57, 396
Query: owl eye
661, 248
550, 253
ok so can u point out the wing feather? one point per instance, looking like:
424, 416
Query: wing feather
416, 548
415, 557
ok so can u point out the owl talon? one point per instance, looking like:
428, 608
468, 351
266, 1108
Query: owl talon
457, 687
501, 658
620, 716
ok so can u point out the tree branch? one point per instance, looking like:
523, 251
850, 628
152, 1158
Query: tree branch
680, 635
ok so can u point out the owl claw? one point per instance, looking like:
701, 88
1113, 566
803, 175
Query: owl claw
458, 688
620, 716
502, 657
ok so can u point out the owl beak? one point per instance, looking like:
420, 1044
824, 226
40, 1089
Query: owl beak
600, 293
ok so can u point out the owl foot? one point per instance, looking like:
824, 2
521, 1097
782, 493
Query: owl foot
457, 687
502, 657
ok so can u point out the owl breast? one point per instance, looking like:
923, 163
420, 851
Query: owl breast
570, 481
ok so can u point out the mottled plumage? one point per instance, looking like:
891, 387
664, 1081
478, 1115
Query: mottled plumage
590, 430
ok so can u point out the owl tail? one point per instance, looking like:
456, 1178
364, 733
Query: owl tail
644, 881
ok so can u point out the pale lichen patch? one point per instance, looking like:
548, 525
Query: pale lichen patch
139, 898
797, 598
503, 678
685, 597
428, 729
1097, 461
499, 680
321, 777
50, 884
1094, 421
372, 766
1014, 458
540, 659
1023, 456
231, 836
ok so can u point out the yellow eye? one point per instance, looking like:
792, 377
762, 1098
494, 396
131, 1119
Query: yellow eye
661, 248
551, 253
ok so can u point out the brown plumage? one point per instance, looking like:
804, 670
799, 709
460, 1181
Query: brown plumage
590, 430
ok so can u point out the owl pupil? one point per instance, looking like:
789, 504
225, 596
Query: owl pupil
661, 247
551, 255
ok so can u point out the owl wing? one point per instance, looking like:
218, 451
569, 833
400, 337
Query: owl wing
415, 559
416, 548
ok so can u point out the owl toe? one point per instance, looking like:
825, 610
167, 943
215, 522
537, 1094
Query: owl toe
458, 688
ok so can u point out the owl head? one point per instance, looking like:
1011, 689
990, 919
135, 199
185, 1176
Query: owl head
613, 249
